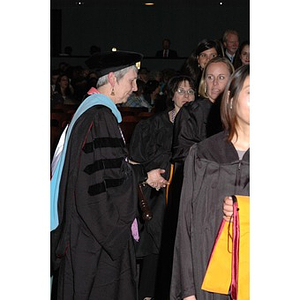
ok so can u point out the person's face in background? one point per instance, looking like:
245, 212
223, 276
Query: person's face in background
205, 56
64, 82
182, 95
166, 44
216, 78
232, 43
143, 76
245, 55
54, 79
155, 92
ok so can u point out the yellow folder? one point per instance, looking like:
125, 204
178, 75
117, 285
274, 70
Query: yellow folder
219, 275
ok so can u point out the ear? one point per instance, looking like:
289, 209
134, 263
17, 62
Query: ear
111, 79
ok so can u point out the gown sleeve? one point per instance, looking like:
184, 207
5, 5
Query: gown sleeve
151, 143
140, 143
189, 128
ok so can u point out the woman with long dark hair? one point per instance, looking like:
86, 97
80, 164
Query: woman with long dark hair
200, 56
214, 168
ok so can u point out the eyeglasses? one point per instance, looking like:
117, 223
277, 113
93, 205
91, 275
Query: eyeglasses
181, 91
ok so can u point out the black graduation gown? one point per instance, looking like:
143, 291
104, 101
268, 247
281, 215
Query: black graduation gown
212, 171
195, 121
96, 205
150, 145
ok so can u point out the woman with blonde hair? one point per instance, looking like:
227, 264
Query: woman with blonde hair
201, 118
195, 121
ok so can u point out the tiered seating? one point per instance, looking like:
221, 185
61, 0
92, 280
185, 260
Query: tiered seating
131, 110
130, 117
61, 115
128, 124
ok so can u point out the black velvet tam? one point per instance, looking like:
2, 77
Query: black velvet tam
113, 61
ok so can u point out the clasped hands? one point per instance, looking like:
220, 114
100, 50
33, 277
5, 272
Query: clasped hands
155, 180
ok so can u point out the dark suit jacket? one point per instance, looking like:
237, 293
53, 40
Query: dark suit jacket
172, 54
236, 60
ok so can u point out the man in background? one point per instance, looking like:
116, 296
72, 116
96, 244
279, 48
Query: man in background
231, 44
166, 52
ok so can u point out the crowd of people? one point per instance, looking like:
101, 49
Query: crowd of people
69, 84
188, 158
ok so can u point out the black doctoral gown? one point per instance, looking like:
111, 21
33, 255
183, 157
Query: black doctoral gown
97, 205
212, 171
151, 145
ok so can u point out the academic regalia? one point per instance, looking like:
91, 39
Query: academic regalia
92, 246
94, 199
191, 126
212, 171
195, 121
150, 145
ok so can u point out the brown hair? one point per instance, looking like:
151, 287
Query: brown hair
230, 98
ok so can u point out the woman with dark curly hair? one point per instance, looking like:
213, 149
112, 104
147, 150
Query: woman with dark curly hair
150, 145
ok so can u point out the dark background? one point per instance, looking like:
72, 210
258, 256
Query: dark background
132, 26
